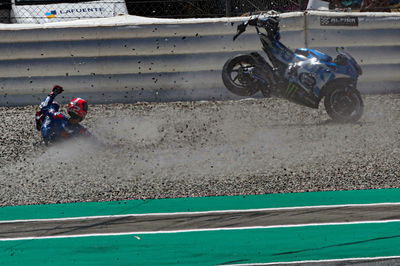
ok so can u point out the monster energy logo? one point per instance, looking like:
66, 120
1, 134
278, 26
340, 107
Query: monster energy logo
291, 90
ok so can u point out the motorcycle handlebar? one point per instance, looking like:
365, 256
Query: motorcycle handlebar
236, 35
240, 29
268, 23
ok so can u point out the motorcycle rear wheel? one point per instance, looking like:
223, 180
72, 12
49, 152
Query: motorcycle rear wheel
236, 75
344, 104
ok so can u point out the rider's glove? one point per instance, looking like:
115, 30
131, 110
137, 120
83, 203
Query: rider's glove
57, 89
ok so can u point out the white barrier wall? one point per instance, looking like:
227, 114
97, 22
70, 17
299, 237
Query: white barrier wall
124, 58
133, 59
372, 38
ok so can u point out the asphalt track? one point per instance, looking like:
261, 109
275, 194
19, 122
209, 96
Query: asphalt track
229, 219
320, 228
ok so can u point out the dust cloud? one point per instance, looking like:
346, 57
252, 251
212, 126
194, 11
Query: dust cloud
208, 148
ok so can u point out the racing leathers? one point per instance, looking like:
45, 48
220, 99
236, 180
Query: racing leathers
55, 126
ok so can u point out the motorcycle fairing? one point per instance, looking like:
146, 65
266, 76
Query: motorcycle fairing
310, 74
312, 70
312, 53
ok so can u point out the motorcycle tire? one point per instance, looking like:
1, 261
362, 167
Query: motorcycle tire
344, 104
235, 78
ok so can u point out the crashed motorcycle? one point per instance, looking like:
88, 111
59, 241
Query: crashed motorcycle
304, 76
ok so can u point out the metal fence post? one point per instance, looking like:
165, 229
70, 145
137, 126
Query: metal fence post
228, 8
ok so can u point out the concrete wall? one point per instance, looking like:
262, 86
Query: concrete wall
134, 59
374, 42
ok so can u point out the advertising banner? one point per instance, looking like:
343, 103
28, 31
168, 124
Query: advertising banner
68, 11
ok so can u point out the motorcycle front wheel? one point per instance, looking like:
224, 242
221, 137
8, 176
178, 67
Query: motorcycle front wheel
237, 75
344, 104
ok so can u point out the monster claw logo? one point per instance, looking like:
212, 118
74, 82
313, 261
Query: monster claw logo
291, 89
51, 14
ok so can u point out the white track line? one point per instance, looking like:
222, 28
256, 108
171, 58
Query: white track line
316, 261
201, 212
197, 230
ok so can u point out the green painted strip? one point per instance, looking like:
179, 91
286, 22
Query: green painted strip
199, 204
211, 248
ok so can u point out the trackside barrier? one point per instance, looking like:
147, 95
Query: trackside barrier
372, 38
130, 59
